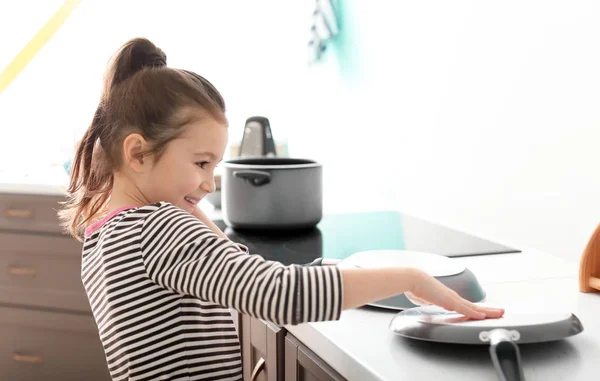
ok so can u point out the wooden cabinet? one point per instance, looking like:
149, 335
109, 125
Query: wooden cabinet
302, 364
46, 324
30, 213
270, 353
44, 345
262, 346
42, 271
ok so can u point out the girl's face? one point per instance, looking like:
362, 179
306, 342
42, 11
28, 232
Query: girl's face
184, 174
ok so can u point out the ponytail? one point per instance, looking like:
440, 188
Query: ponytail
89, 186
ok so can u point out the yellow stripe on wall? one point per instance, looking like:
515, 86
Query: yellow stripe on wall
36, 43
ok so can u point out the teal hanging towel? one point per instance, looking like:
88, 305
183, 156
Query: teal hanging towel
324, 28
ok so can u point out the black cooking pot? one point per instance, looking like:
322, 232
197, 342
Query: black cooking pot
272, 193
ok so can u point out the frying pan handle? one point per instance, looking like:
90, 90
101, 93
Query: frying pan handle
505, 353
324, 262
256, 178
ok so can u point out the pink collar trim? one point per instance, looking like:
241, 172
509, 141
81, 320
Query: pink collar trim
98, 224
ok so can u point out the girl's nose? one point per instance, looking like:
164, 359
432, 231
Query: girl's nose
208, 185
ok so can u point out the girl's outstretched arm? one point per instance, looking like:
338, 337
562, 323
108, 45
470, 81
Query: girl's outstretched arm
362, 286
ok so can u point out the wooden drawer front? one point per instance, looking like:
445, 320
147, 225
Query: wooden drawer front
39, 245
63, 347
301, 364
34, 213
41, 271
262, 349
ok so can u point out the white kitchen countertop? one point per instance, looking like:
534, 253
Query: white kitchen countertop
361, 347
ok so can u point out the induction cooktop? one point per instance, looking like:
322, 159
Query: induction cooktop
338, 236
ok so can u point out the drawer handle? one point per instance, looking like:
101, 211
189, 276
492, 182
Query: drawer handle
22, 271
260, 365
18, 213
32, 359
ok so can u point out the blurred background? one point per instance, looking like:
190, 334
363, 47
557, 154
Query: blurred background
482, 116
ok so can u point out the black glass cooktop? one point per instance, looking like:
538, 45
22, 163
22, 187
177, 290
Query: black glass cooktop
338, 236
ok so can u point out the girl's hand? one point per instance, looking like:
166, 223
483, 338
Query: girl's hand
428, 290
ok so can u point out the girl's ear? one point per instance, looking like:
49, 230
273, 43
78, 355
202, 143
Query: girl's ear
134, 147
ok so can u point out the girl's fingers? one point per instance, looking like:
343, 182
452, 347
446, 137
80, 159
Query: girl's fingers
432, 291
416, 300
490, 312
479, 312
467, 310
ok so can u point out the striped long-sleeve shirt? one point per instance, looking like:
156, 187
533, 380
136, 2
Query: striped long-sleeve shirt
160, 284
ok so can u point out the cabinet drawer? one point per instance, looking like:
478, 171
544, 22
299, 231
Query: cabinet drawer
34, 213
262, 349
41, 271
301, 364
38, 345
39, 245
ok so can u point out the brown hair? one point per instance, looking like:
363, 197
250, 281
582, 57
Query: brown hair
141, 95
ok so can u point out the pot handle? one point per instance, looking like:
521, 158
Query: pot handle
505, 353
256, 178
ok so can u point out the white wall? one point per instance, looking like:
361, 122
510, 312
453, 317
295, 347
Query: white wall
251, 51
478, 115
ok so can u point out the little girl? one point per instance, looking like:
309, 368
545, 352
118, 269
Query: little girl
159, 275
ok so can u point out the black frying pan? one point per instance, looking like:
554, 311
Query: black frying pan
433, 323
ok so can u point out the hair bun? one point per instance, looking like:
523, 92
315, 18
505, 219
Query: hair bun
156, 60
133, 56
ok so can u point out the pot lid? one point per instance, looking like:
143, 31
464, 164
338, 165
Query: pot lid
433, 264
270, 163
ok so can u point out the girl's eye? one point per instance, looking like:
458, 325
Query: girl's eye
201, 164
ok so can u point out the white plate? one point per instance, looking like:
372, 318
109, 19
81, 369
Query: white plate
433, 264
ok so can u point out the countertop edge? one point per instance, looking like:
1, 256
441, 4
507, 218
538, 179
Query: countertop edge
33, 189
347, 366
